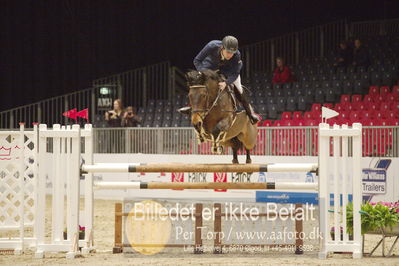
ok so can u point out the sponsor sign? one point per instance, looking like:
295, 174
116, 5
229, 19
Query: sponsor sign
220, 178
178, 177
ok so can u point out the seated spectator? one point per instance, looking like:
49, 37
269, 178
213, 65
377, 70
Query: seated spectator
360, 54
114, 117
345, 55
130, 118
282, 73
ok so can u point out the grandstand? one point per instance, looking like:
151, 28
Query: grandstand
369, 95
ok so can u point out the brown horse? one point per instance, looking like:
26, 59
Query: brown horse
214, 115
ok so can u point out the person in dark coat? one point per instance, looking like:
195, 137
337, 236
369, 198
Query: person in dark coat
130, 118
360, 54
224, 56
345, 55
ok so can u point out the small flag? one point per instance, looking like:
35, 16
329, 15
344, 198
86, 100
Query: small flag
71, 114
83, 114
327, 113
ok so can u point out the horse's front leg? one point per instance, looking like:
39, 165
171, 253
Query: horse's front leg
248, 156
199, 131
218, 135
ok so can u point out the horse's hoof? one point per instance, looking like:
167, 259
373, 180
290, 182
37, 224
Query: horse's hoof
235, 161
220, 150
248, 161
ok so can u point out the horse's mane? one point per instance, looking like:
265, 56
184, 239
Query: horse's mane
195, 77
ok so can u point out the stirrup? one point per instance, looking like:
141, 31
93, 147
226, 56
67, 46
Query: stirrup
185, 110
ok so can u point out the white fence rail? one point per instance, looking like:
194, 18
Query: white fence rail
275, 141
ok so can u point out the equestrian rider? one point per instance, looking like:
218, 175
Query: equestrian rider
224, 56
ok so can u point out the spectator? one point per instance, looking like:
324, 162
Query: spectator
130, 118
282, 73
345, 55
114, 117
360, 54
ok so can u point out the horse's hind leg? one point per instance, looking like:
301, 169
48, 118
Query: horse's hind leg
235, 156
235, 146
248, 156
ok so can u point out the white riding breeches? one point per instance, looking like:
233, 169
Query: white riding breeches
238, 85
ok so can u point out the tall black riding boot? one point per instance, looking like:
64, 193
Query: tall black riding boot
248, 108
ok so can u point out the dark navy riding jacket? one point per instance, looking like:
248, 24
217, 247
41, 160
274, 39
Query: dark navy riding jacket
210, 58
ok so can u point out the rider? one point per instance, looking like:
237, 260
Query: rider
225, 57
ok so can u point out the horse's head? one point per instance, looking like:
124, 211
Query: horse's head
202, 86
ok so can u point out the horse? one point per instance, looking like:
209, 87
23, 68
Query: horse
214, 115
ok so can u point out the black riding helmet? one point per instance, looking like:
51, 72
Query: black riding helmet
230, 43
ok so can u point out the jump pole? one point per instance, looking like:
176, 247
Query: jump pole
205, 185
198, 168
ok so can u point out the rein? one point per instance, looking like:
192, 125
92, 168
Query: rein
208, 110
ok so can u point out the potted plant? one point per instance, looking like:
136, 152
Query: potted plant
383, 217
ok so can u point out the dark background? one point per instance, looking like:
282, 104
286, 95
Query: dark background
53, 47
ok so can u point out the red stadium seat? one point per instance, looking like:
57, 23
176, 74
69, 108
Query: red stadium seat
395, 106
317, 116
373, 90
345, 122
299, 123
384, 90
286, 116
287, 123
316, 107
308, 116
328, 105
391, 115
395, 89
368, 115
297, 116
356, 98
373, 106
379, 98
390, 97
345, 98
339, 107
359, 106
368, 99
385, 106
311, 123
355, 116
344, 115
379, 115
266, 123
349, 106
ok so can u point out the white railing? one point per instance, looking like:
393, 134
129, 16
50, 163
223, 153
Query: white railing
274, 141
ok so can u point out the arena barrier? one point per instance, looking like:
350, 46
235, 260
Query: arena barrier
62, 147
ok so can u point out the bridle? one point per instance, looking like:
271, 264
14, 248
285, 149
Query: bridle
204, 113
